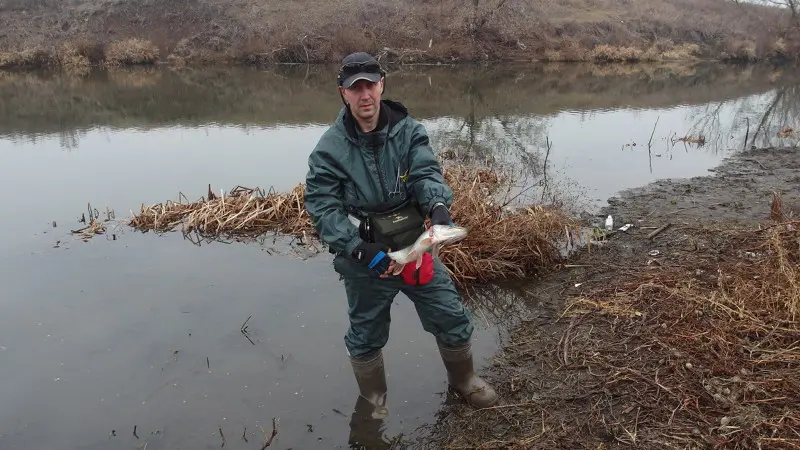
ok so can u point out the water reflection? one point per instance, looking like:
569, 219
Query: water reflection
42, 104
582, 155
88, 327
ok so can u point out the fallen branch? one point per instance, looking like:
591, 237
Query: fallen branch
243, 329
658, 231
272, 436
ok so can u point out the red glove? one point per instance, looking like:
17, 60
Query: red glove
413, 276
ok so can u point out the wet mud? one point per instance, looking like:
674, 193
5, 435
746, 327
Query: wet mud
551, 400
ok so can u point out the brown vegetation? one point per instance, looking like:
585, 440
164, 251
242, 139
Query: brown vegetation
681, 332
245, 31
502, 242
131, 52
505, 240
698, 353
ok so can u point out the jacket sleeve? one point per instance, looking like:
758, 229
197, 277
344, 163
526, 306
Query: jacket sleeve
323, 201
425, 174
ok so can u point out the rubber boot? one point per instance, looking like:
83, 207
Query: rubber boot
367, 432
461, 376
371, 379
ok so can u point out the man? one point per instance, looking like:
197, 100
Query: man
375, 160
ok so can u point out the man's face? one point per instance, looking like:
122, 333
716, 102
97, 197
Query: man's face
363, 97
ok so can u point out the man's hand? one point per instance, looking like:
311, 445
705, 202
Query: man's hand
440, 215
388, 272
375, 257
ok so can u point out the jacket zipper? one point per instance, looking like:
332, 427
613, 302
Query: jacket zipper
380, 175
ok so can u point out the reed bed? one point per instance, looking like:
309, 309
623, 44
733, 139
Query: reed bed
241, 213
502, 243
703, 352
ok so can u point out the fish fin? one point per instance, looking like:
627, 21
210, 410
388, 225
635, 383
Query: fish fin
419, 261
435, 251
398, 269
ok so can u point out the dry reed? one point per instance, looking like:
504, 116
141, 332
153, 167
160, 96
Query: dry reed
130, 52
243, 212
709, 350
502, 243
702, 351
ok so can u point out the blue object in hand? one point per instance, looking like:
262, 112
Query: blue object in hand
380, 263
374, 255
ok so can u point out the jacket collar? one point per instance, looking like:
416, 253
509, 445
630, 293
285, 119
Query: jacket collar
391, 113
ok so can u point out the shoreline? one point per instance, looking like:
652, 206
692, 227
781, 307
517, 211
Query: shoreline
76, 62
557, 366
94, 33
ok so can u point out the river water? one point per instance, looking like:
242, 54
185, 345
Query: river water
143, 331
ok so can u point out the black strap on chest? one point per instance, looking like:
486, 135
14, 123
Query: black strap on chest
396, 226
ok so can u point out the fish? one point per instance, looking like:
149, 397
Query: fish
431, 239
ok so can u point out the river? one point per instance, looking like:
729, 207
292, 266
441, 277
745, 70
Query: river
143, 330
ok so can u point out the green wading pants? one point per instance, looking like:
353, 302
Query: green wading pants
370, 298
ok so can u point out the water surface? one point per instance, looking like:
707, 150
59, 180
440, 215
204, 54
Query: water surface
144, 330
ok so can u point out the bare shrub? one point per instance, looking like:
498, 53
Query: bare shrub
74, 57
131, 52
682, 51
610, 53
302, 31
26, 59
744, 50
779, 49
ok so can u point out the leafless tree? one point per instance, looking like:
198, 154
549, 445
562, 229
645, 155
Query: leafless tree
792, 5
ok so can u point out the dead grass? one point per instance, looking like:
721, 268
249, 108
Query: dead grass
250, 32
241, 213
131, 52
26, 59
74, 59
702, 351
570, 51
502, 243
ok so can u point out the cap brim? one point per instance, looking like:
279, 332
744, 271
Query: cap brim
371, 77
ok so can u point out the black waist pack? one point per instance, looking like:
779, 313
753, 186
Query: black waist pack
397, 229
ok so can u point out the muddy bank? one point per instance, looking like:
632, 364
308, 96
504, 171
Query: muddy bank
664, 337
85, 33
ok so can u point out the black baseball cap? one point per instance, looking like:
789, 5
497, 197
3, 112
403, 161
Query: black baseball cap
359, 66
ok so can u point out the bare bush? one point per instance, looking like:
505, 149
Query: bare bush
303, 31
130, 52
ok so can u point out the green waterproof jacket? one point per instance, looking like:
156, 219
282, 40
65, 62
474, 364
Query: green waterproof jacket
351, 172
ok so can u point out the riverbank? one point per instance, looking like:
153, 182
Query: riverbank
91, 33
676, 337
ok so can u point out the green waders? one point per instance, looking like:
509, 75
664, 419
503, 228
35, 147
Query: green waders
442, 314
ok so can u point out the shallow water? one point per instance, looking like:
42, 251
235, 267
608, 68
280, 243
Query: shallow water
90, 330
